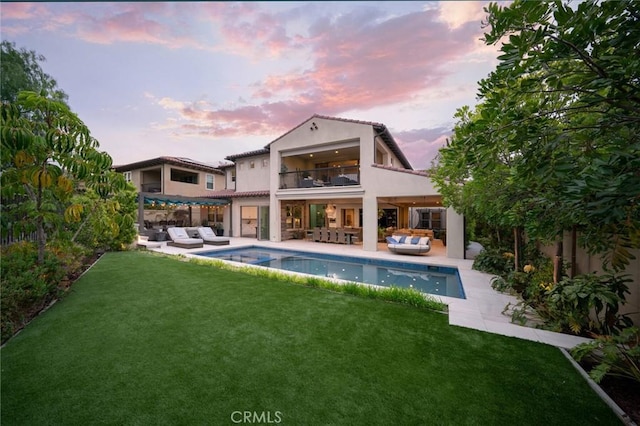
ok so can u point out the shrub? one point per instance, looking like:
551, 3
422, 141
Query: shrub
494, 261
613, 355
26, 286
588, 303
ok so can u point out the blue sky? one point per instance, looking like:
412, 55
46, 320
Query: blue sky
205, 80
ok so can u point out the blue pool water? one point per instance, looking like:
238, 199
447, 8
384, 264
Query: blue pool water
438, 280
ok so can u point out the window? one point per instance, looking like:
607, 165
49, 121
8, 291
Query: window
265, 162
252, 164
233, 175
127, 176
432, 219
184, 176
293, 217
210, 184
241, 165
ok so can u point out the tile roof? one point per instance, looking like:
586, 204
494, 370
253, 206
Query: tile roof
230, 193
247, 154
176, 161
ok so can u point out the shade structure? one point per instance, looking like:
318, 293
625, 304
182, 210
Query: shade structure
180, 200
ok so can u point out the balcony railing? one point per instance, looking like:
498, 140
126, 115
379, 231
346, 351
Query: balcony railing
152, 187
320, 178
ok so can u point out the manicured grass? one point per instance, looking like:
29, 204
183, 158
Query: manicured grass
145, 339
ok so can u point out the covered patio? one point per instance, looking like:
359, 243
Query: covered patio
157, 212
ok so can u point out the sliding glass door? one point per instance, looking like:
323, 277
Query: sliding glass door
263, 223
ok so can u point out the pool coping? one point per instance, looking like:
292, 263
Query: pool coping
480, 310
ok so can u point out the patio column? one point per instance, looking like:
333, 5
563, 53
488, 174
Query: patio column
455, 235
140, 212
369, 223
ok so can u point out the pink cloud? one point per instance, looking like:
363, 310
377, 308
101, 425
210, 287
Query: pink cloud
360, 60
421, 145
360, 64
12, 11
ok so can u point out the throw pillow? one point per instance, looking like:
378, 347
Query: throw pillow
415, 240
402, 239
391, 240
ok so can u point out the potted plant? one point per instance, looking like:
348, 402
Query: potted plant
219, 229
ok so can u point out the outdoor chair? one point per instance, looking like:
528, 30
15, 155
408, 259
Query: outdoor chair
210, 237
316, 235
342, 237
180, 238
324, 235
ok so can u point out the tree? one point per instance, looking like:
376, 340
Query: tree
47, 154
20, 70
554, 143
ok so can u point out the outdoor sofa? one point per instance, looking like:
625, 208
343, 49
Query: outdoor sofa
210, 237
180, 238
401, 244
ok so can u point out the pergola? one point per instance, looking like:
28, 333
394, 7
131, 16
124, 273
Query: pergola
178, 200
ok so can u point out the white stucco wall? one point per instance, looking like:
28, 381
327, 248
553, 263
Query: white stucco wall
236, 207
256, 179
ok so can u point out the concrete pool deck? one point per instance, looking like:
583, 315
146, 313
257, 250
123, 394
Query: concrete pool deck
481, 310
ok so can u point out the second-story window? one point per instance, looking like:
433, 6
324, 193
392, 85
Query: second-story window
210, 182
252, 164
265, 162
127, 176
233, 175
184, 176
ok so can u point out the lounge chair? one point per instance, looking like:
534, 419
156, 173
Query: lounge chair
408, 245
180, 238
210, 237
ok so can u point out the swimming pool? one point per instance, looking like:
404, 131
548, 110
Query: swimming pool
438, 280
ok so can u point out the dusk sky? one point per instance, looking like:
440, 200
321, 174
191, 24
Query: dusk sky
205, 80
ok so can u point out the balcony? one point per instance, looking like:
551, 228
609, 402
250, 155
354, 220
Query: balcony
321, 177
152, 187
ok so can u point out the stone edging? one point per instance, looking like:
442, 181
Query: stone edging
601, 393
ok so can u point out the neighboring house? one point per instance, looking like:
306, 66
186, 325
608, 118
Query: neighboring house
173, 190
330, 172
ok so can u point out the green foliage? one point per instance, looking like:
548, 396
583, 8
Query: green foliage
587, 303
28, 286
555, 140
20, 69
494, 261
47, 151
617, 355
106, 224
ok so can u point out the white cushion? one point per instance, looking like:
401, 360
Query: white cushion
206, 232
424, 241
178, 233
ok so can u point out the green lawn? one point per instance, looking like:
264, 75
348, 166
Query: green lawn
145, 339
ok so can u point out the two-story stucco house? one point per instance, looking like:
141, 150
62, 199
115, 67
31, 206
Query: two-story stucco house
330, 172
174, 190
